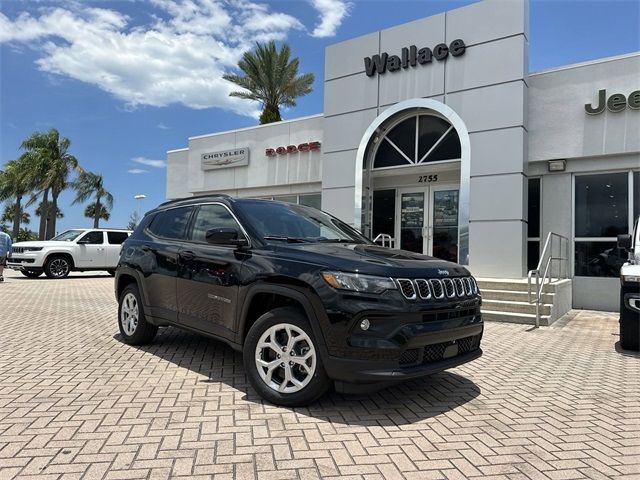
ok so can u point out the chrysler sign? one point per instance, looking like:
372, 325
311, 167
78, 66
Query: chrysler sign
236, 157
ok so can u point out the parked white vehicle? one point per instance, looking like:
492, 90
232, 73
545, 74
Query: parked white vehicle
79, 249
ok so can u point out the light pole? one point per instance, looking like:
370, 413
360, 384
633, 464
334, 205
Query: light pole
139, 198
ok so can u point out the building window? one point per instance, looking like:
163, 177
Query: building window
311, 200
533, 216
308, 199
601, 214
384, 212
416, 140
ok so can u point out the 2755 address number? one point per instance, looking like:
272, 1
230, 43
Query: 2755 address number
428, 178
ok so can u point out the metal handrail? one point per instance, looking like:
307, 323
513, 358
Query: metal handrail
384, 237
547, 258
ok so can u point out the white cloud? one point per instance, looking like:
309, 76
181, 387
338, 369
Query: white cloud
332, 13
137, 171
178, 57
149, 162
162, 126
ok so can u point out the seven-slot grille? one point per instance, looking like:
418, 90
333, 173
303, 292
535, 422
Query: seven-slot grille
17, 250
435, 288
406, 287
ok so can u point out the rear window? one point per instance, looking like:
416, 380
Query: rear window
171, 223
117, 238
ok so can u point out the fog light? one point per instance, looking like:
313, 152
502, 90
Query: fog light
365, 324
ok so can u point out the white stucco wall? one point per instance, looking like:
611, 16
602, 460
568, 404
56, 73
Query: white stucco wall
299, 172
559, 127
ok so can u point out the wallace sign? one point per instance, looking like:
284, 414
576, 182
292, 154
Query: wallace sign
411, 56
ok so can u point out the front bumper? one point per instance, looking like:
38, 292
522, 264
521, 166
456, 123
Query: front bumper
422, 351
18, 263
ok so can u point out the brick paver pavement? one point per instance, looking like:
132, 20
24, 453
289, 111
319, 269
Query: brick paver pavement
75, 402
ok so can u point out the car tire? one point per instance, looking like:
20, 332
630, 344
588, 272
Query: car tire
111, 272
134, 327
30, 273
57, 266
630, 334
289, 378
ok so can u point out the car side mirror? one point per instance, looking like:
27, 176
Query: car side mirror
83, 241
225, 236
624, 242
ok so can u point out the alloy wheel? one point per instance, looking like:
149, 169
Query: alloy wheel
129, 314
59, 267
285, 358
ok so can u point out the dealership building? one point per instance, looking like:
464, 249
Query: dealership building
436, 138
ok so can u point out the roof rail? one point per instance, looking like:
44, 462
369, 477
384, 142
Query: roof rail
195, 197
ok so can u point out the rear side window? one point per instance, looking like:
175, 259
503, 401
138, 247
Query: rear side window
117, 238
171, 223
212, 216
93, 238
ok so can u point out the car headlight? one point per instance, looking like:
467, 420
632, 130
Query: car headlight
631, 278
32, 249
357, 282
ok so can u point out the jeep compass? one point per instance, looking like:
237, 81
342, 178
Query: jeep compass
306, 298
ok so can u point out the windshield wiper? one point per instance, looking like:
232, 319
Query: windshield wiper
285, 239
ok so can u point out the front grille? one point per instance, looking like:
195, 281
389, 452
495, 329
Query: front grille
17, 249
435, 352
406, 287
409, 357
468, 286
423, 289
436, 286
449, 288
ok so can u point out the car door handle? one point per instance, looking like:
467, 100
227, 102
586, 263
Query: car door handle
187, 255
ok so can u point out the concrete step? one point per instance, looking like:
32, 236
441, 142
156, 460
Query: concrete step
511, 284
513, 295
514, 307
508, 317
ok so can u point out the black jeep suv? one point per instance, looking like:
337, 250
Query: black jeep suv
307, 298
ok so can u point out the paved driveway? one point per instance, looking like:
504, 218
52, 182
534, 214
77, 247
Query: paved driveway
75, 402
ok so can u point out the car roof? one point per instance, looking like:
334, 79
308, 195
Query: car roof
100, 229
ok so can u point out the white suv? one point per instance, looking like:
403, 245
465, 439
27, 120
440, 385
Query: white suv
73, 250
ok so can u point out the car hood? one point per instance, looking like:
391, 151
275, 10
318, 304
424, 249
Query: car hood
370, 259
44, 244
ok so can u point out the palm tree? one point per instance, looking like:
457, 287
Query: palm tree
271, 78
15, 184
92, 185
40, 209
51, 167
90, 212
8, 215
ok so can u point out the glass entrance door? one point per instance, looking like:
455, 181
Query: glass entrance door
444, 224
410, 232
427, 221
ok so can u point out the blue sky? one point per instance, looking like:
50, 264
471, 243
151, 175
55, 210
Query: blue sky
128, 80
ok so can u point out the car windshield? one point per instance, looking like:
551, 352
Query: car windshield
287, 222
68, 235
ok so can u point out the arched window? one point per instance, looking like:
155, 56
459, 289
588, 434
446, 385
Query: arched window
416, 140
